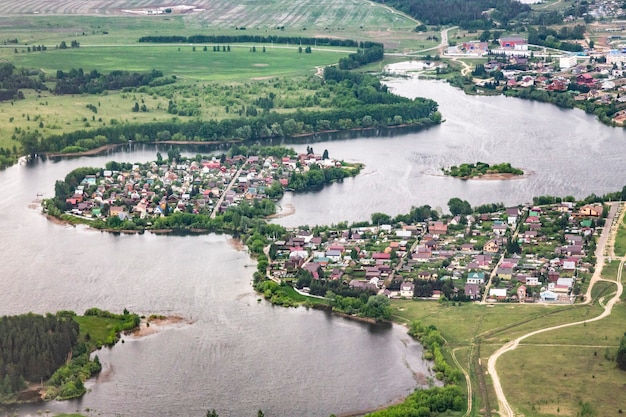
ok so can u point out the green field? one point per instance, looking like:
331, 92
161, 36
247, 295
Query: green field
475, 331
619, 246
182, 61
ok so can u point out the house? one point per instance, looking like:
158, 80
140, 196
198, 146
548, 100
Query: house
590, 210
406, 289
491, 246
437, 228
513, 42
548, 296
472, 291
497, 293
476, 47
521, 293
532, 281
476, 278
585, 79
499, 228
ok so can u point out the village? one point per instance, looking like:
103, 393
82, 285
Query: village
533, 253
520, 254
143, 192
591, 78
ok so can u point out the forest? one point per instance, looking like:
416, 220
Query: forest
468, 14
32, 347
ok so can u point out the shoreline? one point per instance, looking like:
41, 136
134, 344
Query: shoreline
155, 324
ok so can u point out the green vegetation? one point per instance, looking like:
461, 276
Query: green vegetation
467, 14
466, 171
621, 354
55, 348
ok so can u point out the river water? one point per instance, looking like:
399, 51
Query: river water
240, 354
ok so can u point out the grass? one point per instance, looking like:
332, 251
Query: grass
620, 239
209, 81
180, 60
100, 329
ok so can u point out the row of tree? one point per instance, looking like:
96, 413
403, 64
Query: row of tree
267, 39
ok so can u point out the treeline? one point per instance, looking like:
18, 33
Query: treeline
11, 80
76, 81
32, 347
366, 104
362, 57
552, 39
469, 14
267, 39
430, 402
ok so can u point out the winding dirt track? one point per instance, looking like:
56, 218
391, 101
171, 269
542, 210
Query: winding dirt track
505, 408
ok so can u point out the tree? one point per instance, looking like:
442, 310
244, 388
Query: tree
211, 413
621, 354
458, 206
325, 154
378, 307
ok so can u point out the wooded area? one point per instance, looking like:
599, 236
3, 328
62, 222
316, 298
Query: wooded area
32, 347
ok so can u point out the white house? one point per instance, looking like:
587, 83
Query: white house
406, 289
476, 278
548, 296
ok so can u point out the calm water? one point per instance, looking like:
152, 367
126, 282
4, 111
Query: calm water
566, 152
239, 354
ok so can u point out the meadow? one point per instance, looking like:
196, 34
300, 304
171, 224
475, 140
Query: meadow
543, 376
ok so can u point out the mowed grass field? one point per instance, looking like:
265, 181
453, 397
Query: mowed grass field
180, 60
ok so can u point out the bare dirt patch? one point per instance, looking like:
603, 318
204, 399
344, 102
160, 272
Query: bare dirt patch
153, 325
285, 211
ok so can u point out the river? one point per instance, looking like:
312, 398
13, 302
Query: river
239, 354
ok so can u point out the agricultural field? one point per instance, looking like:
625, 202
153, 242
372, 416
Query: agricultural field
353, 19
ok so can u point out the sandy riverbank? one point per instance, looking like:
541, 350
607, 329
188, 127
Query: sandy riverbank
286, 210
155, 324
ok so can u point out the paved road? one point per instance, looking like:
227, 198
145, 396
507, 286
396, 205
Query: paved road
504, 406
221, 200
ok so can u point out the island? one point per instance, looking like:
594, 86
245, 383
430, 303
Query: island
483, 170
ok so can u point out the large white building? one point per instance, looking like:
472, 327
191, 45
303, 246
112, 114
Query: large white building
616, 57
567, 61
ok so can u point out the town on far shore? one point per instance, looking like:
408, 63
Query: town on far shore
594, 75
519, 254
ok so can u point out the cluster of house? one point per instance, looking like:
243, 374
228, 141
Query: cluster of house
596, 75
195, 186
467, 251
